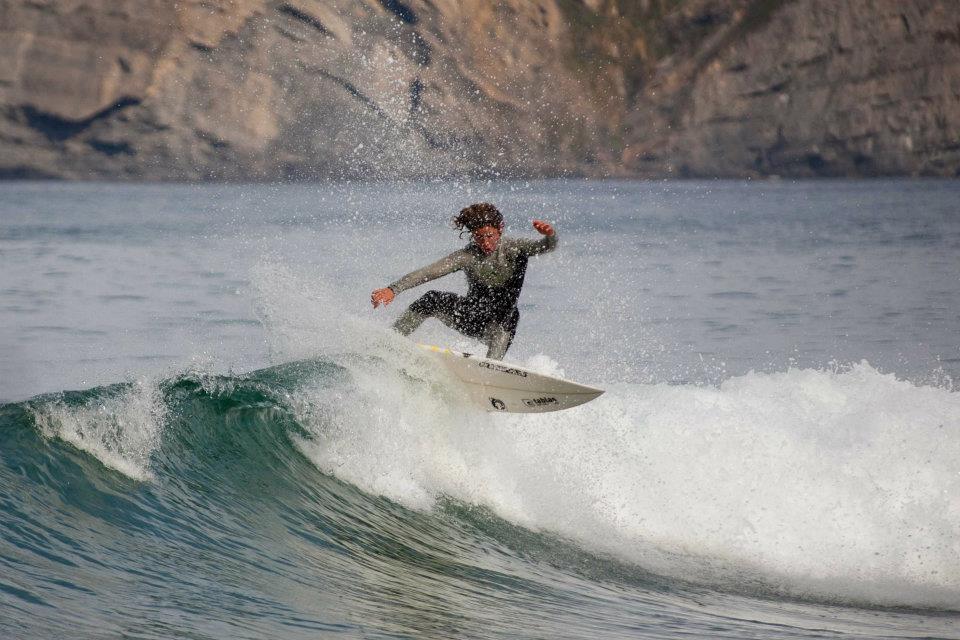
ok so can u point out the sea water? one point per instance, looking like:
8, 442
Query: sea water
208, 432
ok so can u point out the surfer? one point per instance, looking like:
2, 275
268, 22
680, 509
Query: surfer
494, 265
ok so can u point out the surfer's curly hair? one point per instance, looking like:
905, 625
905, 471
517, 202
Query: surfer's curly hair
477, 215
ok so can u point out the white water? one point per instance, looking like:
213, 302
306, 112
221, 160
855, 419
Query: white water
121, 431
833, 484
825, 484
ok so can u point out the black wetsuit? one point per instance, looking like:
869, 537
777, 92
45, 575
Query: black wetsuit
489, 310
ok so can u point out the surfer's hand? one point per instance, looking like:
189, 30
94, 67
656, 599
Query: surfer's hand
382, 296
543, 227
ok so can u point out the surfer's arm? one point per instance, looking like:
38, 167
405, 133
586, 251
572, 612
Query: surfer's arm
535, 247
444, 266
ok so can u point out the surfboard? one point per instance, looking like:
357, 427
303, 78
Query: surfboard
500, 386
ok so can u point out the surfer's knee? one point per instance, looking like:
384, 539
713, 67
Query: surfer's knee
408, 322
436, 303
427, 304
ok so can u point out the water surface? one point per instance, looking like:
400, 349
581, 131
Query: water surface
208, 433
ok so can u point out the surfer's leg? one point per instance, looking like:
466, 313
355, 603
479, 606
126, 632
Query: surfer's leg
457, 312
498, 335
498, 341
441, 305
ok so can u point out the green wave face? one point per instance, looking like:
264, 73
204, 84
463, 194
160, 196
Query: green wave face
212, 519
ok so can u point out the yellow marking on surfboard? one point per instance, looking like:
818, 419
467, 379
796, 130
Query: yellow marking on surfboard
436, 349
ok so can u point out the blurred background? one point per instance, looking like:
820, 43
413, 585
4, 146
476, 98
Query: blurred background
269, 90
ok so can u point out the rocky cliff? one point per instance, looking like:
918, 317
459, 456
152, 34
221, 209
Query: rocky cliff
808, 88
304, 89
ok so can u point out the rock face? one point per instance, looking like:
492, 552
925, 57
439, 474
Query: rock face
304, 89
810, 88
287, 89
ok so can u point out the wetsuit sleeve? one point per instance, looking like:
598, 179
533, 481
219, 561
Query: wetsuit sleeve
536, 247
453, 262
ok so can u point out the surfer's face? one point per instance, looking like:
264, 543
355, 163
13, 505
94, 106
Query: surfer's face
487, 238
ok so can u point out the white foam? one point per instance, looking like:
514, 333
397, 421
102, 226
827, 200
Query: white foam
833, 484
121, 431
837, 484
305, 316
544, 364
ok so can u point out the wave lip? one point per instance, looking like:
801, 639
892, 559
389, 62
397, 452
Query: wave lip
120, 425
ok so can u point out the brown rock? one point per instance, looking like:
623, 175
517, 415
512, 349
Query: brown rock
296, 89
818, 88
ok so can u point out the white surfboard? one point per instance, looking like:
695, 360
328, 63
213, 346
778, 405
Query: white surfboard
495, 385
